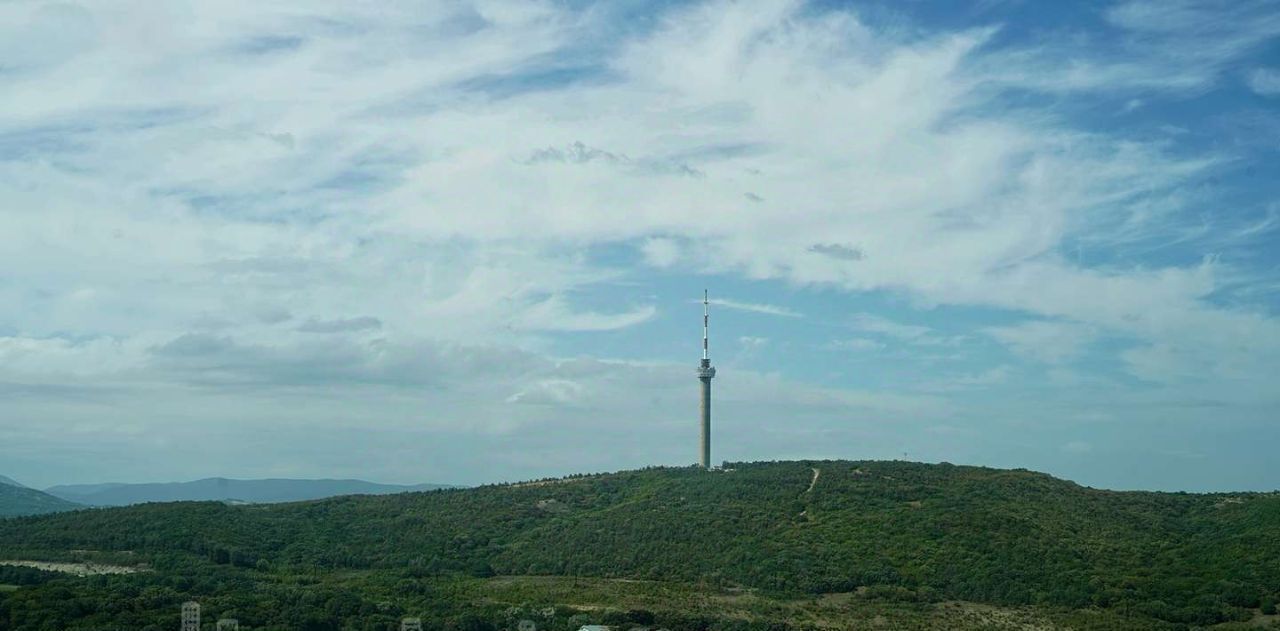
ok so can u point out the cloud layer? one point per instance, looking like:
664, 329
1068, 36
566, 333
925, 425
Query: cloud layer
436, 217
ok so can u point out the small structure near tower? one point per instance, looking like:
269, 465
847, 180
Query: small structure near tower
706, 372
191, 616
228, 624
411, 624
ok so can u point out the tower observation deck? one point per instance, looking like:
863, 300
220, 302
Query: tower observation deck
705, 373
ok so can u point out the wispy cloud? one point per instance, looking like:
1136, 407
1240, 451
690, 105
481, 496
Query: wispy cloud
753, 307
981, 380
892, 328
554, 314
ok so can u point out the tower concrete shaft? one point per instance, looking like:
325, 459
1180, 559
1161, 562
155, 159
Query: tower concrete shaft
705, 460
706, 372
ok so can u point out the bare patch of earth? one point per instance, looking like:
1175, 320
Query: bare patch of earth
78, 569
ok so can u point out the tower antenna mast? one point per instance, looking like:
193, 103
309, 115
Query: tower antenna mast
706, 318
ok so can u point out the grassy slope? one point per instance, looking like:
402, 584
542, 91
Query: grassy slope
912, 532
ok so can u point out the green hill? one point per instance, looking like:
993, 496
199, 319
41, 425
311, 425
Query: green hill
883, 538
19, 500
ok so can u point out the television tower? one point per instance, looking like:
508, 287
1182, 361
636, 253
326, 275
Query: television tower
705, 373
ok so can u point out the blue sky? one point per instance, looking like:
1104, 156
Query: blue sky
464, 241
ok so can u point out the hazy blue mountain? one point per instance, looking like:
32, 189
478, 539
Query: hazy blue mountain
224, 489
12, 482
17, 500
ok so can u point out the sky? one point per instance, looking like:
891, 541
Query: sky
465, 242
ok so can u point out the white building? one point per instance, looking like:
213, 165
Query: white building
191, 616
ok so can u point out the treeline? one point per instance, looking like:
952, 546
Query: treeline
152, 602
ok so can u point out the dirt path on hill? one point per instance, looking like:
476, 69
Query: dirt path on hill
804, 514
816, 472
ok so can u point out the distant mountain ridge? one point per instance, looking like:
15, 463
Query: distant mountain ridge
17, 500
263, 491
12, 482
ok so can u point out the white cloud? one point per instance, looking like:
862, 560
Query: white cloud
858, 344
55, 356
1002, 193
549, 392
912, 334
1265, 81
661, 252
1047, 341
339, 325
1077, 447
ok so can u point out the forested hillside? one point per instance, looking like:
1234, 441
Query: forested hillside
891, 531
20, 500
